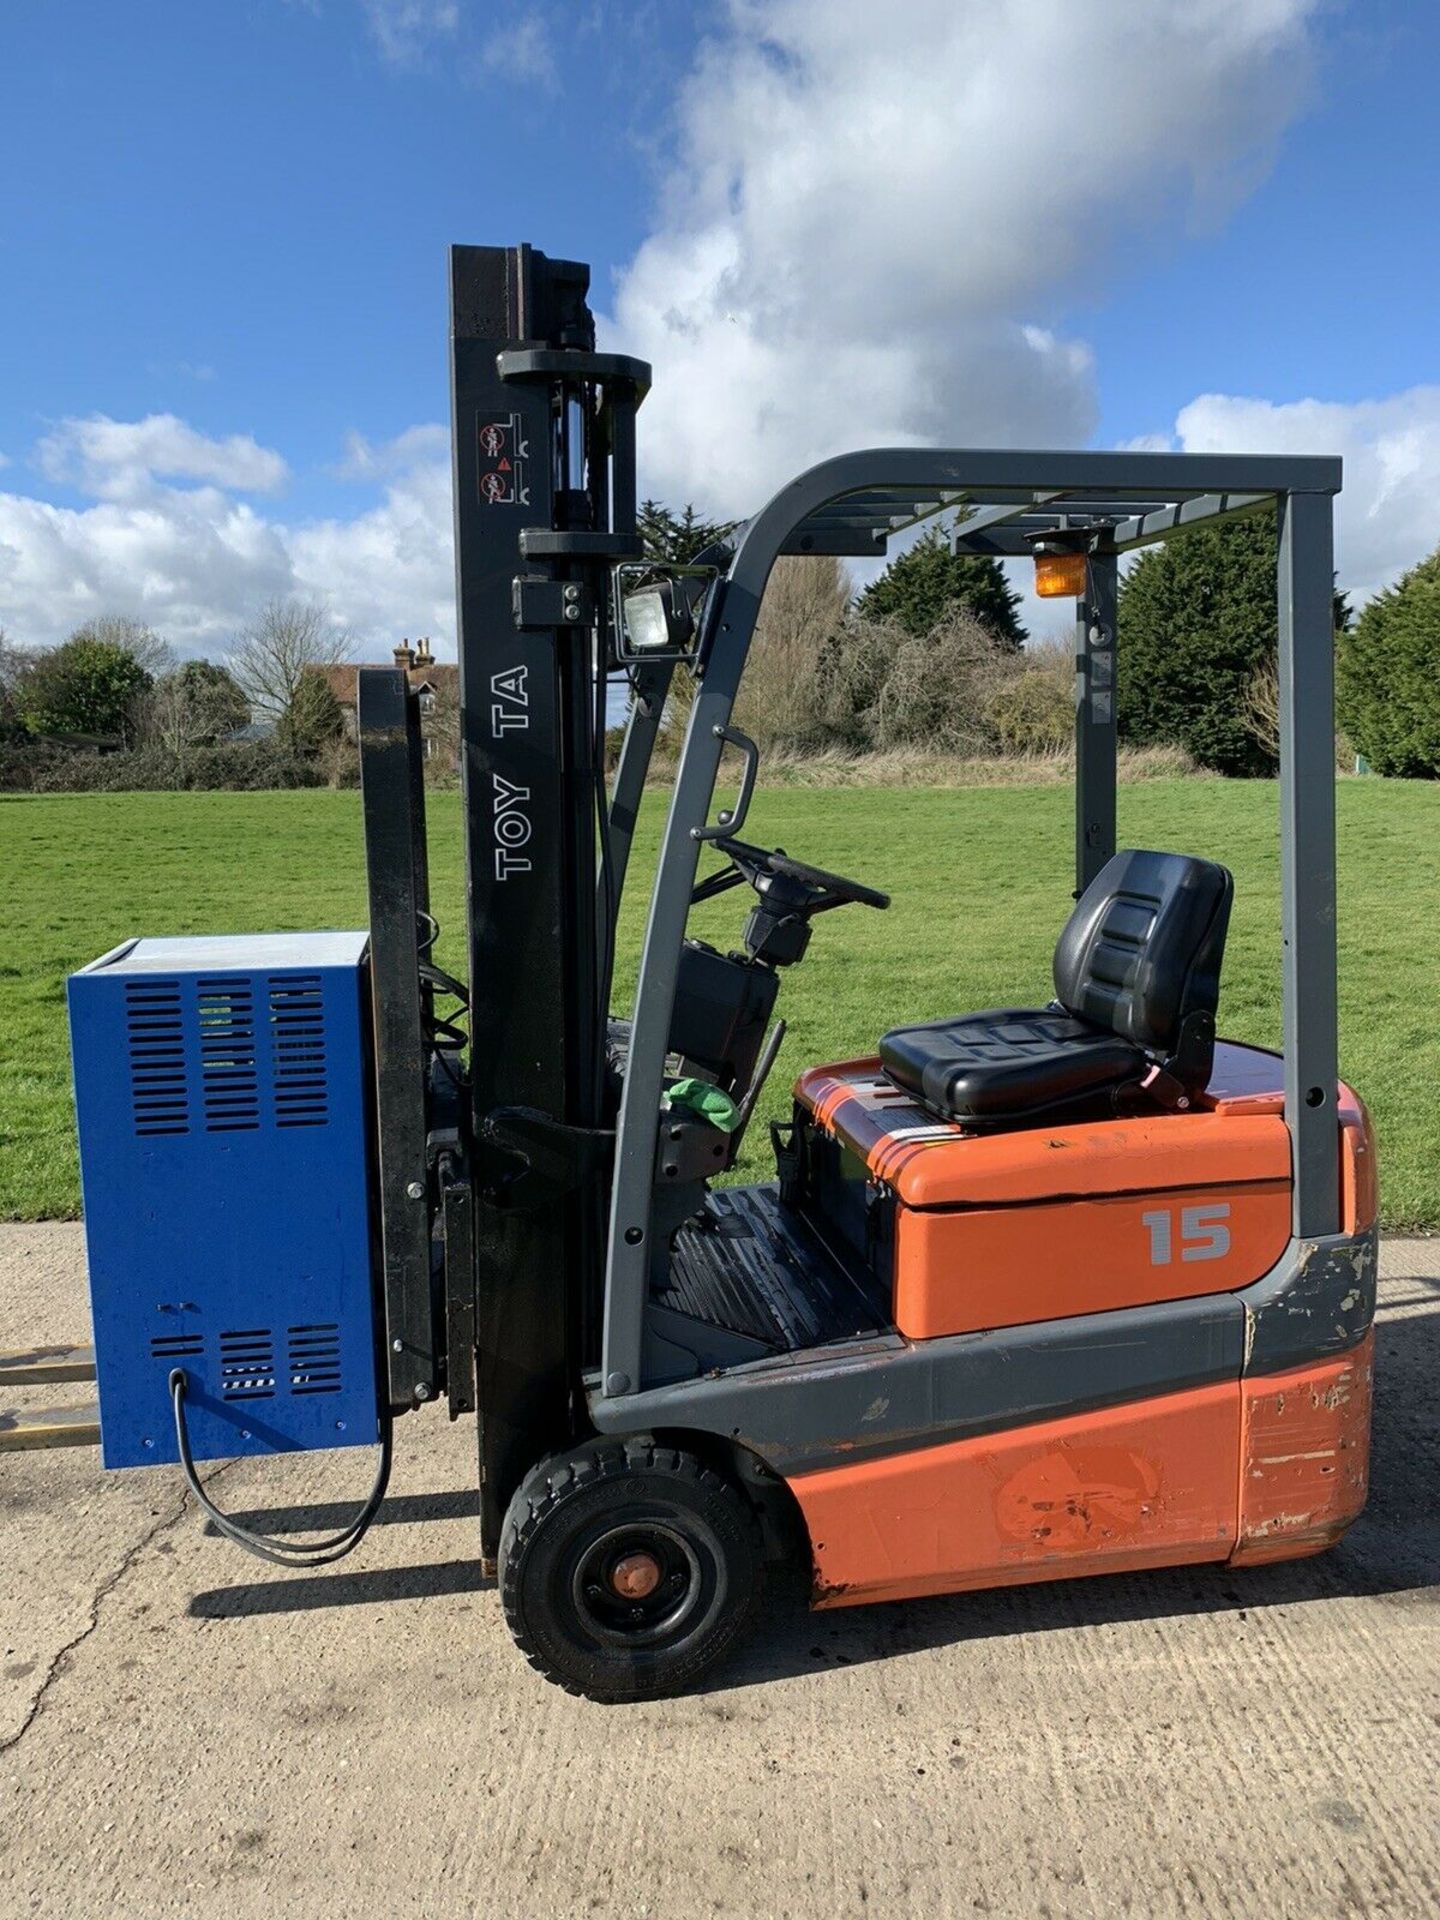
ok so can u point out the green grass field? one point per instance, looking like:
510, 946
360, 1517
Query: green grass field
980, 879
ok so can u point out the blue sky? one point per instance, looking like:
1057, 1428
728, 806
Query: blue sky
1326, 281
1207, 222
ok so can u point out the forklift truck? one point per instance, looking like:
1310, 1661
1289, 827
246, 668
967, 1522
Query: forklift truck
1034, 1292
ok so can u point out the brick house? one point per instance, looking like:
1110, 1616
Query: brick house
436, 682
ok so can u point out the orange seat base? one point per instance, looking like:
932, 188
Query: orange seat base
1013, 1228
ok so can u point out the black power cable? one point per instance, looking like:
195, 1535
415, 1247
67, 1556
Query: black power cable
284, 1553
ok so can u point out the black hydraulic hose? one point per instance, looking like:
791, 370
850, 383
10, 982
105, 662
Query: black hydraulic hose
442, 1032
605, 958
284, 1553
443, 982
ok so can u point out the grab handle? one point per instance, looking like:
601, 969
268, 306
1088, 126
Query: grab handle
732, 819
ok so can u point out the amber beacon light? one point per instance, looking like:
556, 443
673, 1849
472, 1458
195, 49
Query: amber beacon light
1058, 574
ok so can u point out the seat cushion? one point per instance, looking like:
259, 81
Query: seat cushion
1010, 1061
1143, 948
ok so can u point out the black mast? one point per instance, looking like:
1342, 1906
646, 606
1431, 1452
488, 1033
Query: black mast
543, 433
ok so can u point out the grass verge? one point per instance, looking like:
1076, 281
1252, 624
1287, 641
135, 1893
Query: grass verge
980, 877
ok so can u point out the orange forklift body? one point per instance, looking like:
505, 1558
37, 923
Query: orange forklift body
1042, 1224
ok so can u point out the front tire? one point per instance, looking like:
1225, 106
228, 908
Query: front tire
627, 1570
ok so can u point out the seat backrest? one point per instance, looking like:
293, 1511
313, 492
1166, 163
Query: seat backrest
1141, 955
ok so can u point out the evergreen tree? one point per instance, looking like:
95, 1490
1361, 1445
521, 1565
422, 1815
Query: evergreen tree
86, 686
1198, 624
676, 538
927, 583
195, 706
1389, 676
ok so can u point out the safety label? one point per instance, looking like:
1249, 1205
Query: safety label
503, 457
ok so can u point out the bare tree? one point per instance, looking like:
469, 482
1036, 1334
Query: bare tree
289, 639
939, 686
782, 696
195, 706
144, 646
15, 663
1260, 708
1031, 704
804, 607
442, 723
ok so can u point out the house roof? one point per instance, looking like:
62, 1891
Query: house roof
435, 677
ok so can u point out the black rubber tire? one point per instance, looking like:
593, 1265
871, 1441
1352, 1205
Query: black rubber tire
608, 1497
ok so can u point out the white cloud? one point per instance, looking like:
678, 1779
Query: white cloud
366, 460
485, 43
406, 30
200, 371
195, 562
1391, 448
191, 562
864, 238
865, 229
520, 51
389, 571
1147, 443
122, 459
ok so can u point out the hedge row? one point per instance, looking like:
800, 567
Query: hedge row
245, 767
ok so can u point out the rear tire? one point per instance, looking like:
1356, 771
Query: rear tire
627, 1570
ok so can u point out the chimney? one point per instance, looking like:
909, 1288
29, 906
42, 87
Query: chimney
405, 655
423, 656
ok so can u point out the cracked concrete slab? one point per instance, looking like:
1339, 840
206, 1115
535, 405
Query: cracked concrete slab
187, 1731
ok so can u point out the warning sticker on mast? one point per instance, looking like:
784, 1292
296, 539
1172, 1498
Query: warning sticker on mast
503, 455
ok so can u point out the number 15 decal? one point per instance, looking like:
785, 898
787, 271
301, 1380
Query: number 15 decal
1203, 1233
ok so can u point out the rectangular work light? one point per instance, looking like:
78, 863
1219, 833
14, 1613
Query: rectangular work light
655, 623
658, 610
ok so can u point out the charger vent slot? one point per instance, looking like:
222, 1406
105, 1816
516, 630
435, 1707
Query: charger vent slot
247, 1365
313, 1354
155, 1034
297, 1039
177, 1346
228, 1069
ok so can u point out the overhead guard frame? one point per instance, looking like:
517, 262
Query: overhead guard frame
852, 506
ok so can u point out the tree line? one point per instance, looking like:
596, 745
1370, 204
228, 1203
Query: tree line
931, 655
111, 704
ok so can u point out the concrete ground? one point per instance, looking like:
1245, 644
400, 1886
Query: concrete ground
186, 1731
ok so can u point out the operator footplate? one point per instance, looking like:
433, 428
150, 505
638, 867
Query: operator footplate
754, 1266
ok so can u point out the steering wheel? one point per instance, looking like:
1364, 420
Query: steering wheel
761, 865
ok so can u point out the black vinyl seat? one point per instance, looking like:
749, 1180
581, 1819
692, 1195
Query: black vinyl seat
1137, 982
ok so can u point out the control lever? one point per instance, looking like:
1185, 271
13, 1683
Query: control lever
757, 1084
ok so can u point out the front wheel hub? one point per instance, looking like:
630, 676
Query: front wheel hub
636, 1576
639, 1583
